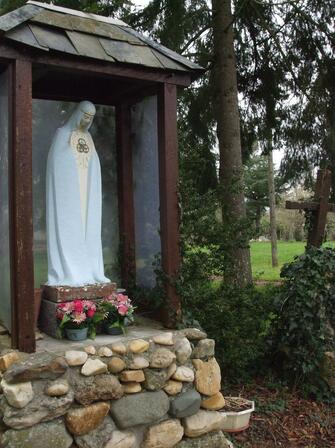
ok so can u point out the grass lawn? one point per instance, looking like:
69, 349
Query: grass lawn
261, 257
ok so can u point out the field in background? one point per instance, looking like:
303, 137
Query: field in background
261, 257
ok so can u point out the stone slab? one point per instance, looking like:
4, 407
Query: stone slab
59, 346
47, 321
68, 293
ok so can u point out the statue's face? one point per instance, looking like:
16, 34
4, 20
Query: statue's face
85, 121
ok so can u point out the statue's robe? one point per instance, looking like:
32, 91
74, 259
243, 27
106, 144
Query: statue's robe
74, 250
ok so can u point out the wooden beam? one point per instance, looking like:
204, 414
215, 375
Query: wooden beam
72, 63
77, 88
125, 194
135, 94
296, 205
21, 203
168, 187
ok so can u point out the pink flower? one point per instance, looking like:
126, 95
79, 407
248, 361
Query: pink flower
123, 309
88, 304
90, 312
67, 307
121, 298
111, 298
78, 306
78, 318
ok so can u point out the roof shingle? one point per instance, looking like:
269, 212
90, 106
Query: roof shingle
51, 28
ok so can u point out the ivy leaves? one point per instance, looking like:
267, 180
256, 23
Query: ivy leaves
303, 330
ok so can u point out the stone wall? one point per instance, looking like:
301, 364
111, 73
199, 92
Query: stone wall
157, 393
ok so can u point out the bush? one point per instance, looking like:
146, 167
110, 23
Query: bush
238, 320
305, 311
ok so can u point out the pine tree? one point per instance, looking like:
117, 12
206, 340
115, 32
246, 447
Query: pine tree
238, 269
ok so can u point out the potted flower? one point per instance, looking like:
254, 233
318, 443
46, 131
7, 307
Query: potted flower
117, 312
77, 319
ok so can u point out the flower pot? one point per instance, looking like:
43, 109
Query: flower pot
240, 420
76, 334
112, 330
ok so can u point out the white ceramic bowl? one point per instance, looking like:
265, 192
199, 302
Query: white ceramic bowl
238, 421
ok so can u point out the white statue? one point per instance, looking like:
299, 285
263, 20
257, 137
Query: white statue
74, 204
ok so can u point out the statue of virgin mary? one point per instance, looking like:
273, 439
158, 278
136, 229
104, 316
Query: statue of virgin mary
74, 203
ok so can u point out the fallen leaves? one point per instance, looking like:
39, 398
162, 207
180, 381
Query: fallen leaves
283, 419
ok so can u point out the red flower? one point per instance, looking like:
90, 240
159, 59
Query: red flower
78, 306
90, 313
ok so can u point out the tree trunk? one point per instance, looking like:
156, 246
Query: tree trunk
258, 221
272, 204
237, 253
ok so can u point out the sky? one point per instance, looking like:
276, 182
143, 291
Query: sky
141, 3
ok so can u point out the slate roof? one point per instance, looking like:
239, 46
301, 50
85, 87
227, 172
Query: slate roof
51, 28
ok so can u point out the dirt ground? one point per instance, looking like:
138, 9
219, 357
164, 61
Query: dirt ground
283, 419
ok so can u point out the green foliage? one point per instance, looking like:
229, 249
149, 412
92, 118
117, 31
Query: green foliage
256, 189
305, 315
90, 323
238, 319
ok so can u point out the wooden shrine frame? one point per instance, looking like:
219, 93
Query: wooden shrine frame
136, 83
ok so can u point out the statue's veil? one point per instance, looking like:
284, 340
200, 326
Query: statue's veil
85, 107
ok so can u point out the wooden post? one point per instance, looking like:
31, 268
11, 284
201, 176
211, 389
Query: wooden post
21, 203
168, 186
319, 218
318, 208
125, 194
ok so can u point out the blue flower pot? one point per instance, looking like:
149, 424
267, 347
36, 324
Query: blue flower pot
113, 331
76, 334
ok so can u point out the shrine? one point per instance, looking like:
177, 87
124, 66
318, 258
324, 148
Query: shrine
51, 59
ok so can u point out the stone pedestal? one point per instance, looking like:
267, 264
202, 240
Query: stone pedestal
53, 296
68, 293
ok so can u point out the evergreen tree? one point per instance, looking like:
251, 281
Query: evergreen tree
238, 267
256, 190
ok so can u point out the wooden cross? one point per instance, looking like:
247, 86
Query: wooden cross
318, 208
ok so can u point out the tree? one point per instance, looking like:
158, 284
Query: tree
256, 190
272, 204
308, 122
238, 269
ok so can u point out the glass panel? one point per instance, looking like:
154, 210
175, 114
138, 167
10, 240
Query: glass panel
5, 292
146, 189
103, 133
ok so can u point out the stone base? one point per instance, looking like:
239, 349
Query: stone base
121, 394
68, 293
211, 440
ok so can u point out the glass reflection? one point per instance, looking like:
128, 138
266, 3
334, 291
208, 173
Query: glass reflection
146, 189
5, 292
